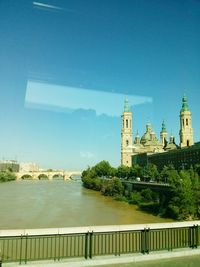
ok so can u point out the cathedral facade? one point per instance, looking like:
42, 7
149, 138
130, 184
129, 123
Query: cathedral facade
149, 143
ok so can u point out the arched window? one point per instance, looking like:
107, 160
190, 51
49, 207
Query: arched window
187, 122
126, 123
188, 142
127, 142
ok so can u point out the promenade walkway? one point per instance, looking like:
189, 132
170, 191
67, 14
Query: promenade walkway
112, 260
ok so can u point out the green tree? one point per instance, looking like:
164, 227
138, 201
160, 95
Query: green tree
197, 201
7, 176
113, 172
103, 168
112, 187
197, 169
182, 203
169, 175
150, 171
135, 171
123, 172
146, 195
135, 198
89, 173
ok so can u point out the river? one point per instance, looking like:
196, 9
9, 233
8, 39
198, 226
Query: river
57, 203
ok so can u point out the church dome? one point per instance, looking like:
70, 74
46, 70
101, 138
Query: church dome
146, 137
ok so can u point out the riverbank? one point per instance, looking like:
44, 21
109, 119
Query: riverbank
146, 200
180, 201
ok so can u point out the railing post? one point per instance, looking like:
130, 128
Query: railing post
194, 236
191, 236
147, 233
55, 249
116, 242
143, 241
58, 247
90, 245
197, 235
119, 243
86, 245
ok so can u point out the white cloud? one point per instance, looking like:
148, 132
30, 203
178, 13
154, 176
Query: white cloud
42, 5
86, 154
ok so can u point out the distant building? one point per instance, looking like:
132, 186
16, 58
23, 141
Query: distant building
9, 165
28, 167
180, 158
139, 150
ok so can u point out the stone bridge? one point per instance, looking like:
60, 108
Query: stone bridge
50, 175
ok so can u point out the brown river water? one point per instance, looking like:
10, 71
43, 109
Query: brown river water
57, 203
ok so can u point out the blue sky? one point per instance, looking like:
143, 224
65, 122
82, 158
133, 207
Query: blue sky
66, 67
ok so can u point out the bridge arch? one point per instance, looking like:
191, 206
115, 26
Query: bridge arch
43, 176
58, 176
27, 177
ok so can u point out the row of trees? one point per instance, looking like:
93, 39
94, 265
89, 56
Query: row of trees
149, 172
104, 169
181, 201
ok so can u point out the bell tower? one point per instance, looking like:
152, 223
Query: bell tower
186, 131
126, 135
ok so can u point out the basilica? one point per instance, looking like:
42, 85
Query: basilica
149, 143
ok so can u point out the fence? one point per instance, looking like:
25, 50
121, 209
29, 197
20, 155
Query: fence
56, 244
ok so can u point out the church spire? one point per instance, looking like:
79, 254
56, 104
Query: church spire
137, 138
126, 105
163, 134
163, 130
184, 104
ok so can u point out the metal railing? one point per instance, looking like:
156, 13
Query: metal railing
86, 242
